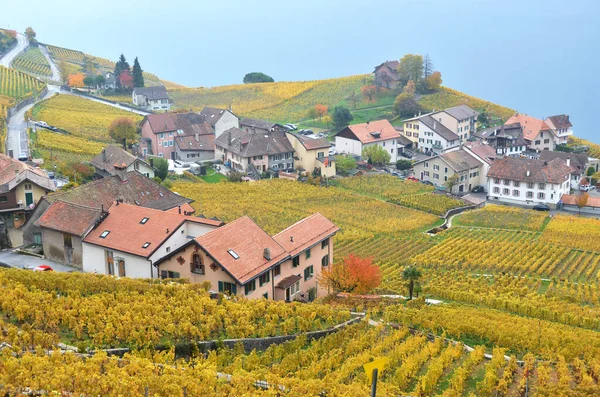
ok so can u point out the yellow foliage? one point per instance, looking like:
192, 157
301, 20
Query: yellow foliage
66, 143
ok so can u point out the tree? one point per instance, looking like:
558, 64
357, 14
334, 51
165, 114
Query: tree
123, 131
137, 73
581, 201
89, 67
344, 163
590, 171
354, 275
126, 79
341, 117
63, 69
89, 81
433, 82
257, 77
427, 66
410, 68
403, 165
376, 155
368, 91
120, 66
321, 110
161, 167
410, 88
405, 105
353, 98
76, 80
411, 275
451, 182
30, 33
99, 80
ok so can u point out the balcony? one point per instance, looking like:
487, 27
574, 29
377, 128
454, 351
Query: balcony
437, 146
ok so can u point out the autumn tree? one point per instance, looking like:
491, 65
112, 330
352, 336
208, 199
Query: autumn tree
30, 33
123, 130
120, 66
451, 182
354, 275
63, 69
433, 82
410, 88
344, 163
76, 80
581, 201
137, 73
411, 275
321, 110
368, 91
126, 79
376, 155
405, 105
410, 68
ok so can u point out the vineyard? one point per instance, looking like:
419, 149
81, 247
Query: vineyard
18, 85
503, 217
33, 61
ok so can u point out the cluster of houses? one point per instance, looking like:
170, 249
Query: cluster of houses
126, 224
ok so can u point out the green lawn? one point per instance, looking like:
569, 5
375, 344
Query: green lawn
213, 176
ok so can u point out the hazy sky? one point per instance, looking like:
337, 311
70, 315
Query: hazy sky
539, 57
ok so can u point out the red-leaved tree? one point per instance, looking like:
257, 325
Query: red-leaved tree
126, 79
354, 275
321, 110
368, 91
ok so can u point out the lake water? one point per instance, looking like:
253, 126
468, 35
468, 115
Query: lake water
538, 57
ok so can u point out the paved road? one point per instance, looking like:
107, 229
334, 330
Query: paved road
22, 44
55, 72
19, 261
115, 105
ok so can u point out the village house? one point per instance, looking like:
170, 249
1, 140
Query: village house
160, 130
507, 139
110, 82
537, 133
255, 153
561, 126
386, 75
259, 126
434, 137
152, 98
440, 168
242, 259
354, 138
461, 120
578, 162
528, 181
195, 148
104, 163
312, 154
485, 154
220, 119
77, 210
21, 187
129, 240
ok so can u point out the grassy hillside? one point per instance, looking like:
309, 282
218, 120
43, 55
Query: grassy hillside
33, 62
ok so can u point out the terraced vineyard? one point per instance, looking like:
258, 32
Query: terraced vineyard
33, 62
18, 85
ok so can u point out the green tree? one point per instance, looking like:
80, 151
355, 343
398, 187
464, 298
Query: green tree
406, 106
123, 131
451, 182
403, 165
344, 163
341, 117
427, 66
137, 73
30, 33
410, 68
161, 167
590, 171
257, 77
376, 155
411, 275
99, 80
89, 81
120, 66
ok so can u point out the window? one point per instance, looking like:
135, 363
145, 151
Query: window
324, 243
541, 196
426, 173
515, 193
161, 135
497, 181
542, 186
168, 274
105, 233
516, 183
277, 271
436, 167
496, 189
506, 191
308, 273
197, 266
3, 199
436, 176
529, 195
67, 242
308, 253
160, 155
168, 249
529, 185
28, 186
171, 142
292, 290
546, 140
144, 220
264, 278
296, 261
110, 263
325, 261
250, 287
446, 169
537, 142
507, 182
233, 254
146, 245
426, 164
228, 288
266, 295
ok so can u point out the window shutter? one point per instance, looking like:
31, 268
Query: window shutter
220, 286
233, 289
305, 274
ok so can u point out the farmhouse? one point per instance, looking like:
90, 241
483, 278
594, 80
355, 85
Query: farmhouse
561, 126
579, 163
104, 163
507, 139
151, 98
386, 75
312, 154
537, 133
195, 148
354, 138
242, 259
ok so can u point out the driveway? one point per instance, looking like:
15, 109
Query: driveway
16, 260
21, 46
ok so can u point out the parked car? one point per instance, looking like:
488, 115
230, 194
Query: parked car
478, 189
427, 183
287, 127
43, 268
332, 152
42, 124
291, 126
52, 128
23, 156
585, 188
541, 207
412, 178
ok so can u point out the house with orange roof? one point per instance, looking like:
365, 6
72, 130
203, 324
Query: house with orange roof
355, 138
128, 240
240, 258
561, 126
536, 132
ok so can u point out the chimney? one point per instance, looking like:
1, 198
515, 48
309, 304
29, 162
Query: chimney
179, 210
291, 239
104, 155
528, 173
197, 136
434, 124
121, 171
267, 254
228, 137
569, 162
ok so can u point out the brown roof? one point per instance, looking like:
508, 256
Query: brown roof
128, 234
438, 128
578, 161
461, 112
305, 233
9, 168
392, 65
247, 240
247, 144
212, 115
481, 150
311, 143
189, 123
374, 131
531, 126
196, 142
69, 218
152, 93
288, 281
528, 170
256, 123
559, 122
136, 189
114, 155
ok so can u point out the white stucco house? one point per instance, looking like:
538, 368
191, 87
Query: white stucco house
354, 138
151, 98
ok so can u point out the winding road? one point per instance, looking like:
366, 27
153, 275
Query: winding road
55, 72
21, 46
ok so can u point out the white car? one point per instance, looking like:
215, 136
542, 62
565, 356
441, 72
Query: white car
332, 152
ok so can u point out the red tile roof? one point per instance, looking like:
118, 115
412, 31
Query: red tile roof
481, 150
69, 218
185, 208
531, 125
248, 241
374, 131
128, 234
305, 233
528, 170
570, 199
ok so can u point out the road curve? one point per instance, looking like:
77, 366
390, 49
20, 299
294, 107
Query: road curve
21, 46
55, 72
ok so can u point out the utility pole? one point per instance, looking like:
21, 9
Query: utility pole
374, 383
